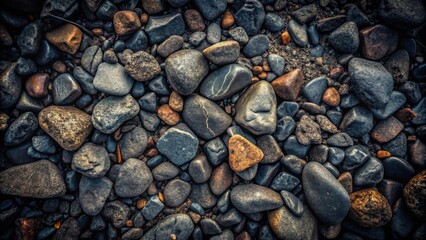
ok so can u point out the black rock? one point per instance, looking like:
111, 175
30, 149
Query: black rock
216, 151
369, 173
345, 38
397, 146
314, 89
403, 15
411, 90
256, 46
176, 192
357, 121
356, 15
331, 23
249, 15
284, 181
252, 198
138, 41
355, 156
47, 54
65, 89
69, 229
21, 129
273, 22
211, 9
159, 28
10, 86
305, 14
116, 212
29, 39
25, 67
398, 169
93, 193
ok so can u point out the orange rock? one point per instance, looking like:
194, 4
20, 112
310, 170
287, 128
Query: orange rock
176, 101
242, 153
382, 154
227, 19
119, 156
194, 20
141, 203
126, 22
97, 32
57, 224
265, 66
285, 37
36, 85
345, 179
144, 18
167, 114
27, 228
263, 75
288, 86
129, 223
257, 70
331, 97
161, 196
66, 38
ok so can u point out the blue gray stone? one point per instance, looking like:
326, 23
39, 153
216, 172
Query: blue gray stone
335, 155
21, 129
44, 144
314, 89
293, 147
284, 181
93, 193
411, 90
112, 79
47, 54
397, 100
340, 140
85, 80
249, 15
159, 28
138, 41
215, 150
397, 146
133, 143
164, 171
277, 63
91, 160
28, 41
65, 89
152, 208
256, 46
305, 14
345, 38
159, 85
252, 198
176, 192
357, 121
355, 156
211, 9
313, 35
273, 22
285, 127
298, 33
287, 109
179, 224
214, 33
293, 203
91, 59
420, 109
369, 173
116, 212
239, 35
148, 102
133, 178
398, 169
349, 100
294, 164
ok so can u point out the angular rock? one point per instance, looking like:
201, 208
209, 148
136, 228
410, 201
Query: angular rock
397, 100
378, 41
249, 15
112, 79
91, 160
133, 178
65, 89
159, 28
116, 212
152, 208
66, 38
314, 89
355, 156
308, 131
305, 14
371, 172
414, 195
387, 130
223, 52
357, 122
340, 140
252, 198
242, 153
398, 65
29, 39
126, 22
10, 86
170, 45
21, 129
345, 38
289, 85
93, 193
142, 66
91, 59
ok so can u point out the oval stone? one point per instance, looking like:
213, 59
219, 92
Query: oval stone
252, 198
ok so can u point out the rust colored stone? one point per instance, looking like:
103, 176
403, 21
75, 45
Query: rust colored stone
97, 32
126, 22
220, 179
194, 20
345, 179
166, 113
227, 19
256, 70
36, 85
405, 114
141, 203
382, 154
242, 153
288, 86
243, 236
66, 38
285, 37
387, 130
144, 18
176, 101
59, 66
331, 97
378, 41
415, 195
335, 72
27, 228
263, 75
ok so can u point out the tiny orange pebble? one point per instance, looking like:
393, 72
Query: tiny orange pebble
161, 196
144, 18
263, 75
119, 157
285, 37
57, 224
256, 69
129, 223
382, 154
141, 203
266, 67
254, 80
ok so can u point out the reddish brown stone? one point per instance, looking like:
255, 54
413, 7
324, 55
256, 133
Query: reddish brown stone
387, 130
27, 228
167, 114
242, 153
345, 179
417, 152
405, 114
176, 101
194, 20
331, 97
66, 38
378, 41
289, 85
59, 66
285, 37
415, 195
220, 179
382, 154
243, 236
153, 6
227, 19
36, 85
126, 22
335, 72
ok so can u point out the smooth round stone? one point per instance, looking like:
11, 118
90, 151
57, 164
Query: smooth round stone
112, 73
152, 208
345, 38
371, 82
411, 90
113, 111
133, 143
164, 171
291, 146
91, 59
200, 169
335, 155
313, 35
10, 86
326, 196
256, 109
179, 144
314, 89
47, 54
397, 146
159, 28
179, 70
221, 179
225, 82
277, 63
211, 9
216, 151
214, 33
252, 198
223, 52
239, 35
273, 22
414, 195
340, 140
420, 109
170, 45
176, 192
179, 224
93, 193
25, 67
65, 89
133, 178
371, 172
357, 122
397, 100
298, 33
202, 195
256, 46
142, 66
21, 129
91, 160
355, 156
210, 226
205, 117
85, 80
293, 203
67, 125
287, 108
43, 144
398, 169
249, 15
197, 38
28, 41
270, 148
284, 181
116, 212
39, 179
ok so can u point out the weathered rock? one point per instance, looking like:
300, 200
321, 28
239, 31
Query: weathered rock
298, 33
159, 28
66, 38
176, 192
242, 153
402, 15
305, 14
414, 195
21, 129
378, 41
180, 225
10, 86
286, 225
357, 121
116, 212
252, 198
355, 156
289, 85
133, 178
170, 45
221, 179
398, 65
93, 193
91, 160
308, 131
112, 79
211, 9
65, 89
142, 66
133, 143
126, 22
387, 130
249, 15
345, 38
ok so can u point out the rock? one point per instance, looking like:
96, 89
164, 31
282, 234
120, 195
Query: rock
285, 127
138, 41
378, 41
414, 195
308, 131
116, 212
69, 229
10, 86
325, 124
397, 100
223, 52
112, 73
113, 111
221, 179
170, 45
357, 122
330, 23
273, 22
369, 208
36, 85
133, 143
284, 181
91, 160
21, 129
298, 33
289, 85
67, 125
292, 203
371, 172
202, 195
142, 66
242, 153
65, 89
210, 226
91, 59
228, 20
305, 14
419, 72
133, 233
176, 192
326, 196
165, 171
66, 38
397, 146
200, 169
256, 46
204, 117
398, 169
152, 208
420, 111
270, 148
43, 144
133, 178
47, 54
249, 15
345, 38
215, 150
126, 22
356, 15
256, 109
194, 20
355, 156
340, 140
387, 130
85, 80
239, 35
417, 152
179, 70
93, 193
252, 198
214, 33
276, 63
167, 114
179, 144
211, 9
225, 82
179, 224
28, 41
314, 89
402, 15
286, 225
40, 179
197, 38
159, 28
398, 65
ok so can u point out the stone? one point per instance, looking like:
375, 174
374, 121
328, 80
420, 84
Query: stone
202, 195
420, 111
215, 150
298, 33
221, 179
106, 11
10, 86
165, 171
200, 169
211, 9
69, 229
314, 37
386, 130
284, 181
142, 66
256, 109
270, 148
340, 140
176, 192
239, 35
345, 38
170, 45
194, 20
43, 144
357, 121
397, 100
133, 178
91, 59
292, 146
397, 146
133, 233
223, 52
36, 85
285, 127
242, 153
371, 172
159, 28
116, 212
28, 41
112, 79
256, 46
210, 226
325, 124
252, 198
314, 89
330, 23
414, 195
402, 15
369, 208
273, 22
153, 6
66, 38
225, 82
398, 65
138, 41
167, 114
305, 14
288, 86
286, 225
133, 143
67, 125
357, 16
179, 70
419, 72
355, 156
176, 102
293, 203
113, 111
326, 196
21, 129
197, 38
93, 193
178, 224
308, 131
204, 117
277, 63
398, 169
39, 179
214, 33
85, 80
65, 89
47, 54
411, 91
152, 208
378, 41
227, 20
91, 160
249, 15
179, 144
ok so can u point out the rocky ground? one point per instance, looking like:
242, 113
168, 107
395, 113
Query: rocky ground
212, 119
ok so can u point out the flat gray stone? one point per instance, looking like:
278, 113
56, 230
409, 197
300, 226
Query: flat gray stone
91, 160
93, 193
112, 79
252, 198
133, 178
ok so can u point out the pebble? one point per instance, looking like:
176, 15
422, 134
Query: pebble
202, 195
239, 35
39, 179
419, 73
402, 15
112, 73
210, 226
345, 38
252, 198
211, 9
398, 65
288, 86
215, 150
225, 82
113, 111
256, 109
227, 20
142, 66
138, 41
357, 121
47, 54
93, 193
200, 169
43, 144
176, 192
66, 38
369, 208
65, 89
180, 225
270, 148
133, 234
285, 127
194, 20
152, 208
69, 229
397, 146
25, 66
197, 38
387, 130
116, 212
223, 52
133, 178
411, 91
325, 124
305, 14
126, 22
67, 125
414, 195
314, 89
313, 35
287, 225
214, 33
284, 181
10, 86
273, 22
172, 44
420, 110
330, 23
91, 59
242, 153
292, 203
164, 171
179, 66
369, 173
293, 147
298, 33
398, 169
21, 129
308, 131
355, 156
340, 140
159, 28
397, 100
179, 144
287, 108
28, 41
378, 41
277, 63
326, 196
256, 46
176, 102
167, 114
249, 15
85, 80
36, 85
91, 160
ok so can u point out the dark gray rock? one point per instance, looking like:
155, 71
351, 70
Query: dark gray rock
116, 212
65, 89
256, 46
200, 169
273, 22
210, 226
170, 45
284, 181
340, 140
345, 38
229, 218
133, 143
29, 39
138, 41
211, 9
292, 146
305, 14
398, 65
287, 108
411, 90
44, 144
64, 9
298, 33
159, 28
165, 171
176, 192
91, 59
133, 234
150, 121
239, 35
356, 15
47, 54
355, 156
91, 160
308, 131
397, 100
201, 194
285, 127
398, 169
214, 33
397, 146
152, 208
133, 178
357, 122
21, 129
249, 15
25, 67
85, 80
403, 15
10, 86
69, 229
270, 148
420, 109
293, 203
277, 63
112, 73
216, 151
179, 224
314, 89
93, 193
313, 35
369, 173
252, 198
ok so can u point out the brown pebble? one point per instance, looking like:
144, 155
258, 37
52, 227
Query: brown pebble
176, 101
167, 114
285, 37
194, 20
263, 75
141, 203
417, 152
36, 85
345, 179
27, 228
221, 179
378, 41
411, 138
415, 195
126, 22
405, 114
129, 223
195, 217
382, 154
66, 38
98, 32
144, 18
152, 190
161, 196
387, 130
152, 152
242, 153
227, 19
59, 66
257, 70
254, 80
265, 66
153, 6
243, 236
331, 97
289, 85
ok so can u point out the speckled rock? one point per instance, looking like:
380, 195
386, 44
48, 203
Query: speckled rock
252, 198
